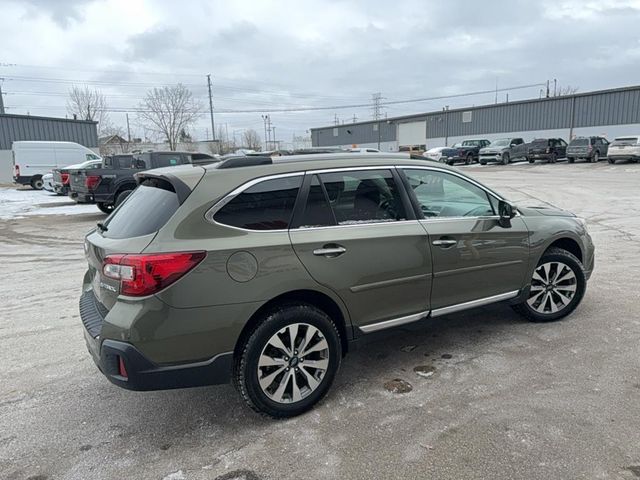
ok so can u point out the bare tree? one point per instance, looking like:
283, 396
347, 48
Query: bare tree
568, 90
251, 139
169, 111
87, 104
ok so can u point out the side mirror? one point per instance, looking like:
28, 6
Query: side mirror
506, 211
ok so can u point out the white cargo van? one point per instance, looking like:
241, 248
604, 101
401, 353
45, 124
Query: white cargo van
32, 160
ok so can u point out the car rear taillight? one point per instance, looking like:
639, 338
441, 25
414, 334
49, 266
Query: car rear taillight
122, 369
91, 182
142, 275
65, 178
16, 170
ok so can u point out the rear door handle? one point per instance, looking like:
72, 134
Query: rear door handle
444, 243
327, 251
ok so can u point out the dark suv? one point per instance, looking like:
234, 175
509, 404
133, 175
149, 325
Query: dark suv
549, 149
591, 149
264, 270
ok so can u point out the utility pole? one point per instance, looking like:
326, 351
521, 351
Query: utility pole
547, 88
264, 120
336, 121
213, 127
376, 99
128, 129
496, 89
1, 99
555, 87
355, 119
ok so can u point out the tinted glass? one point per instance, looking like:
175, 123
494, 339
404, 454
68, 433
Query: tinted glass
145, 211
366, 196
167, 160
317, 211
444, 195
580, 141
267, 205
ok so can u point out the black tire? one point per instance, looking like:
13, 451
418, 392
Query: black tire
553, 158
450, 162
506, 159
246, 370
482, 163
104, 207
530, 160
569, 260
468, 160
122, 196
611, 161
595, 158
36, 182
571, 159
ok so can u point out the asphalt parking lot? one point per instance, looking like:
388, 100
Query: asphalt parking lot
506, 399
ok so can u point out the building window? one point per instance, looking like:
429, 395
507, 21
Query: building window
335, 132
466, 116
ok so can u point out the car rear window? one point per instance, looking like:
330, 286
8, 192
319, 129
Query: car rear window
267, 205
540, 141
579, 142
145, 211
625, 141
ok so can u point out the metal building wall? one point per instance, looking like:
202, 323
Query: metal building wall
357, 133
600, 108
24, 127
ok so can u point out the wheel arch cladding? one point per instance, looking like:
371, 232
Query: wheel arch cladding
311, 297
568, 244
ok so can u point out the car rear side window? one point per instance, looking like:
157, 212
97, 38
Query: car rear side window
363, 196
317, 211
268, 205
145, 211
167, 159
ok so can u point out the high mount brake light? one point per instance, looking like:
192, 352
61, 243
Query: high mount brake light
65, 178
142, 275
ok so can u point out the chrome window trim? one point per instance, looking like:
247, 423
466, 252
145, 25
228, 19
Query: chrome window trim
370, 224
209, 214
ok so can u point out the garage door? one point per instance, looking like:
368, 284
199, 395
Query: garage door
412, 133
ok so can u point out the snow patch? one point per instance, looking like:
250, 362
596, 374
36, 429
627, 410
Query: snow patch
15, 203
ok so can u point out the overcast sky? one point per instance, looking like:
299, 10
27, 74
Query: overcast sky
266, 55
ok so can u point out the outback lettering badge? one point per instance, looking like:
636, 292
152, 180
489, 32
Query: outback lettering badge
106, 286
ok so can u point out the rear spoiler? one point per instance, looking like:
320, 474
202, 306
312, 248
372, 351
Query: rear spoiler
179, 186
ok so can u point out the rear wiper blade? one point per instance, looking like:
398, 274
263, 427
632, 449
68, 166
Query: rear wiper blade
102, 227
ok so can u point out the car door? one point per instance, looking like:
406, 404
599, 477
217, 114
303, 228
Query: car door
561, 148
474, 258
603, 145
357, 234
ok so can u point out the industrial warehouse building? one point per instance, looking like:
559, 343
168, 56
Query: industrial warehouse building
608, 113
25, 127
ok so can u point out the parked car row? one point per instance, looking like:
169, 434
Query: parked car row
507, 150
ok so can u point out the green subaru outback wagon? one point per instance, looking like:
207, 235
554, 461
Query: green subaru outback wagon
262, 271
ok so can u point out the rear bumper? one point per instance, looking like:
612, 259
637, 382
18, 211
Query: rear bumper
61, 189
81, 197
22, 180
623, 157
142, 373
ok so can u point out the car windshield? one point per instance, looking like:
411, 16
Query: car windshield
503, 142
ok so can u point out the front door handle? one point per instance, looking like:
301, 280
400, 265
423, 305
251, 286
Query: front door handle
329, 251
445, 243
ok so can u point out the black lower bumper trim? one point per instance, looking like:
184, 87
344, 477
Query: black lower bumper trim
142, 374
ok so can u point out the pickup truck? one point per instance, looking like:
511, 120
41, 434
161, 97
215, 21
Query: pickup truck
62, 176
503, 151
549, 149
109, 186
467, 151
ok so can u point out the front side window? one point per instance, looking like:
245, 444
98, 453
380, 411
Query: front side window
268, 205
442, 194
363, 196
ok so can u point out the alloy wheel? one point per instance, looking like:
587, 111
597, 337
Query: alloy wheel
293, 363
553, 286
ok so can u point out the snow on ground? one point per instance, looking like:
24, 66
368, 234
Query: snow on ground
18, 203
